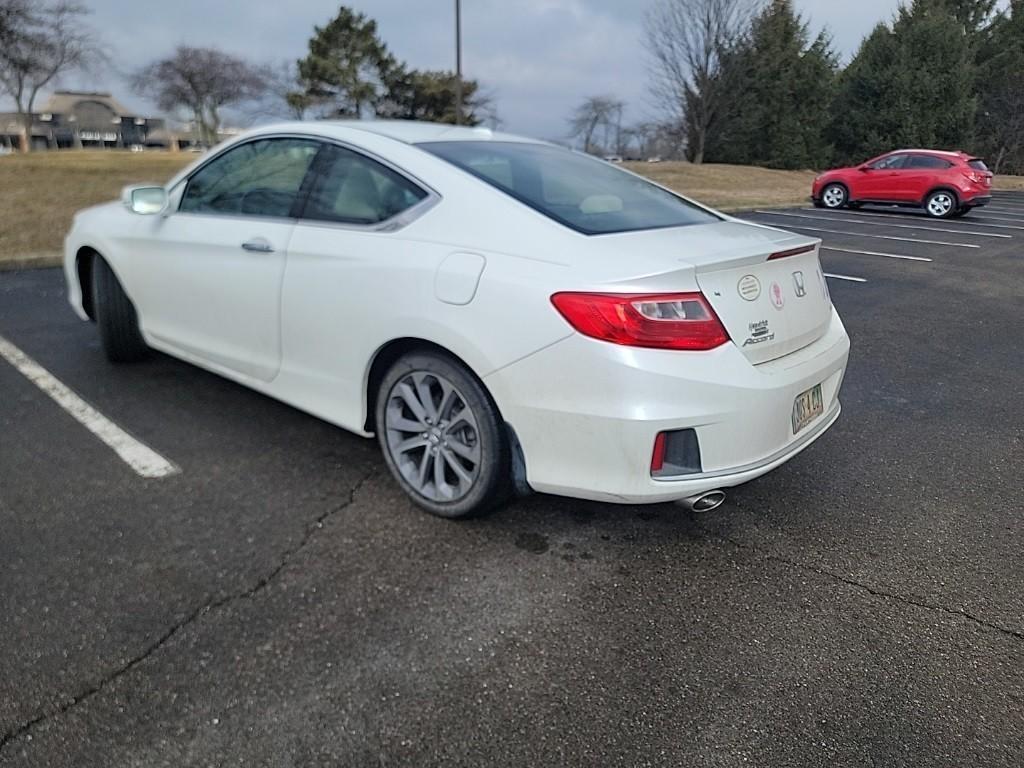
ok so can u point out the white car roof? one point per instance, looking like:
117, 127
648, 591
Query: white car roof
417, 132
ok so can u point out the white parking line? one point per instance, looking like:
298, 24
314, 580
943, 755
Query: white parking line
1007, 212
877, 237
874, 253
845, 277
898, 226
144, 460
910, 217
998, 216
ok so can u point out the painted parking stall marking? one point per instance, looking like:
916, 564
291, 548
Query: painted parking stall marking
924, 228
849, 278
874, 253
141, 458
872, 214
876, 237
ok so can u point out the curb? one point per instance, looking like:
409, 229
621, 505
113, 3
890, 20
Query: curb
30, 261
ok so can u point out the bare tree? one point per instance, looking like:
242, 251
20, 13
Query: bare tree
38, 43
597, 112
687, 41
281, 97
202, 81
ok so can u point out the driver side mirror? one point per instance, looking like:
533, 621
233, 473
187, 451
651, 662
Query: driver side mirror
865, 169
145, 200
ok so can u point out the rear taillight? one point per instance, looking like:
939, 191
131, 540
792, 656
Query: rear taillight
977, 178
682, 321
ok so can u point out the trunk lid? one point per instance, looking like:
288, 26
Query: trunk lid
770, 307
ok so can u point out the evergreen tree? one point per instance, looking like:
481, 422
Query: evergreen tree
1001, 80
347, 69
782, 83
911, 85
425, 95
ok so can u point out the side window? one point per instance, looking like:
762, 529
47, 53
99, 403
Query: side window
260, 178
928, 162
352, 189
891, 163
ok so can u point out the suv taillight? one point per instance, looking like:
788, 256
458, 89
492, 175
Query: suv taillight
683, 321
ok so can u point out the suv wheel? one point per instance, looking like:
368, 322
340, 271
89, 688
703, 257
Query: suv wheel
834, 196
941, 204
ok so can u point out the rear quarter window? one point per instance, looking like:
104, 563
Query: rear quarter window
928, 162
978, 165
581, 192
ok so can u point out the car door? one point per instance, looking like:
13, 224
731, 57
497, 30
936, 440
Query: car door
922, 175
214, 266
881, 180
354, 274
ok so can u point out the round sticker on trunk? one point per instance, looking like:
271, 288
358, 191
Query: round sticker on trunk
749, 287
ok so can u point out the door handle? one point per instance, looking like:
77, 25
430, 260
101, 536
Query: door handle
258, 245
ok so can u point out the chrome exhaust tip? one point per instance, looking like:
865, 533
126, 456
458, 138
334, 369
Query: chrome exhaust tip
704, 502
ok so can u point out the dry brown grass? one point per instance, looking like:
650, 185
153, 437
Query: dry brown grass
1008, 183
730, 187
40, 192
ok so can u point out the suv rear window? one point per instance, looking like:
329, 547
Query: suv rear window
978, 165
579, 191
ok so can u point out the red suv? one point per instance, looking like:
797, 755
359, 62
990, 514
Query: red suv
945, 184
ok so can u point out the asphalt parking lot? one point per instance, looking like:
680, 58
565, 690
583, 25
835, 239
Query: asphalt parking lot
276, 601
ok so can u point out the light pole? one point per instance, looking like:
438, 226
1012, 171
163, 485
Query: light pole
458, 62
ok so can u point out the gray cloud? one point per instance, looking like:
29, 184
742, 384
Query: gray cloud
537, 57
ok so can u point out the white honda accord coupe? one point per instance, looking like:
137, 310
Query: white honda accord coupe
501, 313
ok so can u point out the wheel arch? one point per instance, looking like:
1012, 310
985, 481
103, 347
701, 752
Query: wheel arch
942, 188
837, 183
391, 351
385, 357
84, 259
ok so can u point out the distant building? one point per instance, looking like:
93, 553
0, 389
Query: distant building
82, 120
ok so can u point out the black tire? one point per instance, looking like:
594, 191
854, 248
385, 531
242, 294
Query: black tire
492, 484
115, 316
941, 204
834, 196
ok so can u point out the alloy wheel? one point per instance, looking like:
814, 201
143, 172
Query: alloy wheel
834, 196
940, 204
432, 436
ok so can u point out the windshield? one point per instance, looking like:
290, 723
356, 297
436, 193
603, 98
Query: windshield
579, 191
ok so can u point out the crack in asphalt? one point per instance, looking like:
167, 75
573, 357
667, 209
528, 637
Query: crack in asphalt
876, 592
262, 583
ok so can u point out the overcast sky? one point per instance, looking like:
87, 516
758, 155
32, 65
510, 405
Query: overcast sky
537, 57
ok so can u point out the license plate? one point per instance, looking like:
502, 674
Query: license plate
807, 407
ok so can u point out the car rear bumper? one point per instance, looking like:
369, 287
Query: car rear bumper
587, 413
978, 200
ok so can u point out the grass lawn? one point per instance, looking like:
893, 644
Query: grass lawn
39, 192
731, 187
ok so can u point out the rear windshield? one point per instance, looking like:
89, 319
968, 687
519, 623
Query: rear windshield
978, 165
584, 193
